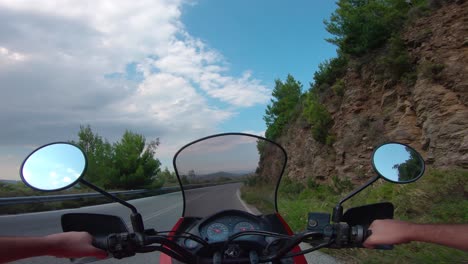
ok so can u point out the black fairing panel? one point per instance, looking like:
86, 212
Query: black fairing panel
96, 224
365, 215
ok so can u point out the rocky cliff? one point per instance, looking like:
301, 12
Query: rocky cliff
429, 113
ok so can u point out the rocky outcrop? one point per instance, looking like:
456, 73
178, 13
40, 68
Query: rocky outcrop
430, 114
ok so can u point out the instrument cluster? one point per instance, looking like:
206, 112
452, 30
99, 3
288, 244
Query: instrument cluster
221, 228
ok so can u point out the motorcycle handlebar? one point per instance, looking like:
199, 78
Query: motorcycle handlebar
368, 233
354, 236
100, 242
127, 244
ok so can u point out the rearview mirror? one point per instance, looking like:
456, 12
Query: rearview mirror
395, 162
53, 167
398, 163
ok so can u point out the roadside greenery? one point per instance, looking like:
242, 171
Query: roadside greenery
127, 164
286, 97
358, 27
438, 197
396, 64
361, 25
320, 119
328, 72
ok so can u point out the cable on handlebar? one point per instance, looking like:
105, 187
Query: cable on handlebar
309, 250
256, 233
188, 236
164, 250
171, 246
294, 241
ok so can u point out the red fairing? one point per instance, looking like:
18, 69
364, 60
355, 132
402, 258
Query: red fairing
165, 259
298, 259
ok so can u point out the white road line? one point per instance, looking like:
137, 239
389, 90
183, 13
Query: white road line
249, 209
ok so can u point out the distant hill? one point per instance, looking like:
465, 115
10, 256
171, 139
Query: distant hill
220, 175
9, 181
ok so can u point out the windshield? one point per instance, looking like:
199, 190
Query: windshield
215, 171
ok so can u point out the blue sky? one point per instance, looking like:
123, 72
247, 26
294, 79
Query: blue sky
271, 38
176, 70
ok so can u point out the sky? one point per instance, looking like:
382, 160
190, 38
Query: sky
176, 70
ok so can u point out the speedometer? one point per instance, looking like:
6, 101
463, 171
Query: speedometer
217, 232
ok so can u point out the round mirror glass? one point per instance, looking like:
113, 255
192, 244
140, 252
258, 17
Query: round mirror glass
53, 167
398, 163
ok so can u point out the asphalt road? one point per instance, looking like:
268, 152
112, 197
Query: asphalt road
159, 212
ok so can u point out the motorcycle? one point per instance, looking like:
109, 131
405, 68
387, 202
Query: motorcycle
217, 225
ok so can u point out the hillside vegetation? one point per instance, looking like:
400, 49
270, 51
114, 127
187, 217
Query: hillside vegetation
399, 75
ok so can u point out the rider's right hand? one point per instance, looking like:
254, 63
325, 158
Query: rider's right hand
388, 232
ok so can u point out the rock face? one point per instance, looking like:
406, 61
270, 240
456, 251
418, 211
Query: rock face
431, 115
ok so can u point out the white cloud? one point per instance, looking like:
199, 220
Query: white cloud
7, 56
71, 46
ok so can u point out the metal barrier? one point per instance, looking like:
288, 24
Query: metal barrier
64, 197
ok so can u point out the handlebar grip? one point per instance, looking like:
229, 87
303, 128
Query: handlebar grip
101, 242
368, 233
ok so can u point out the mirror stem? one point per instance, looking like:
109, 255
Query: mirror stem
359, 189
108, 195
338, 210
135, 217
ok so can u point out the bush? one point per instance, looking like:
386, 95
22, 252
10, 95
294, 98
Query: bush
431, 71
290, 187
396, 64
341, 185
339, 87
330, 140
319, 118
329, 71
311, 183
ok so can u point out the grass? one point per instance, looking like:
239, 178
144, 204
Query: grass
439, 197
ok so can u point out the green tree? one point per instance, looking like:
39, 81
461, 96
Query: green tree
100, 156
286, 97
318, 116
410, 169
135, 162
329, 71
165, 177
360, 25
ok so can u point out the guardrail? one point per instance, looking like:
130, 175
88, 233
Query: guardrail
64, 197
60, 197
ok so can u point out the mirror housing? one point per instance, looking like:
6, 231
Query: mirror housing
398, 163
54, 167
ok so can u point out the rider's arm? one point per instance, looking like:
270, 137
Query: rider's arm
64, 245
390, 232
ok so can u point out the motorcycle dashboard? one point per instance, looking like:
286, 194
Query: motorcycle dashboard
223, 225
218, 228
233, 233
